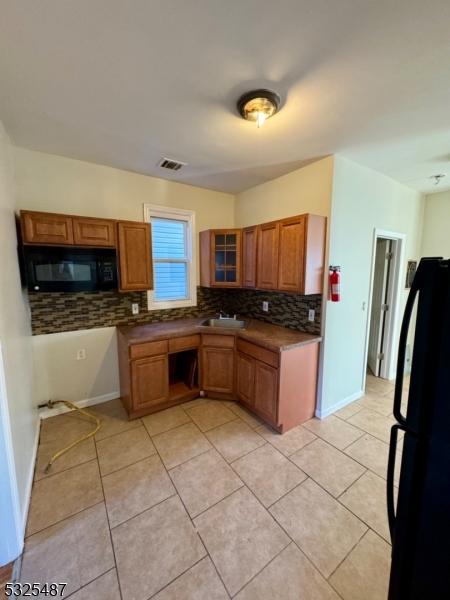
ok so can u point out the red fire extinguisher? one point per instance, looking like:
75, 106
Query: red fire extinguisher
335, 284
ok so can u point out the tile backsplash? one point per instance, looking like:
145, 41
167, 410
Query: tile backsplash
58, 312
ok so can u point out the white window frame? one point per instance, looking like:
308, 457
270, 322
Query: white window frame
180, 214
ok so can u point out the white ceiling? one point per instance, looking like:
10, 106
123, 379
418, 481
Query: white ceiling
123, 83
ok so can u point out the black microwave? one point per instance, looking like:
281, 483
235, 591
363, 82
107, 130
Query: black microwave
59, 269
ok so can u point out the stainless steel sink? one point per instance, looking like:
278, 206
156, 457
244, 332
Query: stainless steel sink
225, 323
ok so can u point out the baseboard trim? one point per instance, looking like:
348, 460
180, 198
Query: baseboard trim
45, 413
30, 481
322, 414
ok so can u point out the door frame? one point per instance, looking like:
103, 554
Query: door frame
391, 326
11, 543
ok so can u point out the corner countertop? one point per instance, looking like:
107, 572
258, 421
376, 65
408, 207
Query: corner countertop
272, 337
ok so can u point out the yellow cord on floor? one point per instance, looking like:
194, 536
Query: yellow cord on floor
51, 404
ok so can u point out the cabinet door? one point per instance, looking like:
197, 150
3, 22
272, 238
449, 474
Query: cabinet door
249, 248
94, 232
245, 378
46, 228
149, 381
226, 258
291, 261
267, 266
218, 370
135, 256
266, 391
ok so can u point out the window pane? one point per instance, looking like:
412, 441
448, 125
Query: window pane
168, 238
171, 281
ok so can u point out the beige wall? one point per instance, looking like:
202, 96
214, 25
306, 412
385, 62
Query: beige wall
305, 190
18, 417
53, 183
56, 184
362, 201
436, 227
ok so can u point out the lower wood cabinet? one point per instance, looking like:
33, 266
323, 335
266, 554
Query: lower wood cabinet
257, 386
280, 387
266, 391
245, 378
150, 381
218, 370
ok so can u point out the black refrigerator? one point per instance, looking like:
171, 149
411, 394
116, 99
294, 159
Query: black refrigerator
419, 521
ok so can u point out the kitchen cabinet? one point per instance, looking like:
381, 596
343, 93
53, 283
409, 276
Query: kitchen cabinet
291, 254
266, 391
135, 256
286, 255
46, 228
279, 386
217, 365
94, 232
220, 258
267, 262
245, 379
301, 254
149, 381
249, 251
132, 239
157, 374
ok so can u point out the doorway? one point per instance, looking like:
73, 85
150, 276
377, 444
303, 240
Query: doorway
383, 311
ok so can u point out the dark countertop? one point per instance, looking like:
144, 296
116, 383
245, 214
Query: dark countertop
273, 337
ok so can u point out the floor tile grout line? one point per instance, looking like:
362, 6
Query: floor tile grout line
316, 568
64, 519
348, 554
109, 527
263, 507
338, 498
135, 462
92, 581
231, 465
141, 512
48, 477
62, 470
194, 528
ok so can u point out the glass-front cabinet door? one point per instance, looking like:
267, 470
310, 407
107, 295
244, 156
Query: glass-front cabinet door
226, 258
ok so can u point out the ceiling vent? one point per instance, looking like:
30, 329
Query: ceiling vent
171, 164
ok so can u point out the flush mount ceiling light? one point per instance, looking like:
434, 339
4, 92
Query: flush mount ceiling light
258, 106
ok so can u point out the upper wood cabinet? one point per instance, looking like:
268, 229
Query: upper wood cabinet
94, 232
249, 256
46, 228
220, 258
267, 264
291, 255
135, 256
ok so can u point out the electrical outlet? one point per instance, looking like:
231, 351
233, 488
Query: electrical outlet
265, 306
135, 308
311, 314
81, 354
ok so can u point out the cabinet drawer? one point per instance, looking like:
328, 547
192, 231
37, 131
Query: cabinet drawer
267, 356
219, 341
148, 349
183, 343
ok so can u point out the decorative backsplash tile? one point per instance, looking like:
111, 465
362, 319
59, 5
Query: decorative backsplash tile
287, 310
57, 312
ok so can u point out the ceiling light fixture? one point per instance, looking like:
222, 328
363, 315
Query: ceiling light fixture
258, 105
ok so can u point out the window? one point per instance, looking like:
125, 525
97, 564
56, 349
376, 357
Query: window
173, 250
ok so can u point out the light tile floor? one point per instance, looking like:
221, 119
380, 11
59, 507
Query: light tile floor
204, 502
